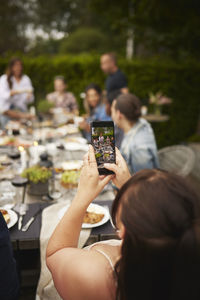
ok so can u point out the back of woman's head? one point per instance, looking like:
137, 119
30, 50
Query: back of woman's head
129, 105
160, 255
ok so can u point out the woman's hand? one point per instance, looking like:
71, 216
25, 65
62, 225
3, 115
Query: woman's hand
91, 184
29, 94
120, 169
15, 92
84, 126
27, 116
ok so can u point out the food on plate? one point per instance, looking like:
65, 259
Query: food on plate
70, 179
7, 141
76, 139
5, 215
92, 217
46, 123
2, 167
15, 141
3, 158
58, 170
69, 165
70, 129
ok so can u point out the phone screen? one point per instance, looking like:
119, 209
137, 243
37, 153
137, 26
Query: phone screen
103, 141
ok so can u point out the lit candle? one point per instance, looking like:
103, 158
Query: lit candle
23, 157
35, 152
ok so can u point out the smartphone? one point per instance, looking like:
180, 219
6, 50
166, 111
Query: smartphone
103, 141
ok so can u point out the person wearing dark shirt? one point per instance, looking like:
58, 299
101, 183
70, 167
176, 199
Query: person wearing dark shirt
116, 79
9, 284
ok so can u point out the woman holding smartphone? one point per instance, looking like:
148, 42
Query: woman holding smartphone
157, 218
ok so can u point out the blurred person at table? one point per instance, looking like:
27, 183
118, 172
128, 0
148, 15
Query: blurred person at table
138, 146
157, 256
9, 284
61, 97
16, 92
116, 79
94, 107
110, 97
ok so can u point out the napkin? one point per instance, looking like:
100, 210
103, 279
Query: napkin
45, 288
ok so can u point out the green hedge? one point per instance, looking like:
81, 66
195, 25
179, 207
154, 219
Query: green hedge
181, 82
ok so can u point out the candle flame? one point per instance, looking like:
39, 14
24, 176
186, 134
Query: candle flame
21, 148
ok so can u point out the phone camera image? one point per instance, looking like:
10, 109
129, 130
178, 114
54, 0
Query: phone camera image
103, 141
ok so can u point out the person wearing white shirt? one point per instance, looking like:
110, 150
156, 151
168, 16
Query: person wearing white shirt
16, 92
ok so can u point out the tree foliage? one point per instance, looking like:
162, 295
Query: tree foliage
12, 22
160, 27
88, 39
163, 27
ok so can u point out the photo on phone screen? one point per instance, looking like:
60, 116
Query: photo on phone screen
103, 141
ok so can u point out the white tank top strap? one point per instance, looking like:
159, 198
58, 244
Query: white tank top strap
107, 242
107, 257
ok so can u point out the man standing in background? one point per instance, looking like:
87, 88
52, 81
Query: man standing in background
116, 79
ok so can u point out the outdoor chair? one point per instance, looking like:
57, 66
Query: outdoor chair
177, 159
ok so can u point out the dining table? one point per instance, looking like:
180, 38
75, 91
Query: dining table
30, 239
26, 244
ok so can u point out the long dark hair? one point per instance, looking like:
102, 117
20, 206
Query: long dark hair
9, 71
160, 255
92, 86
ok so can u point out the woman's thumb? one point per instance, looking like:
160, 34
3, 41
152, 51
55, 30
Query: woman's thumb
111, 167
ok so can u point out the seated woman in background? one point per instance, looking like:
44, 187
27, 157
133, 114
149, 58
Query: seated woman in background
16, 92
157, 218
138, 146
61, 98
94, 108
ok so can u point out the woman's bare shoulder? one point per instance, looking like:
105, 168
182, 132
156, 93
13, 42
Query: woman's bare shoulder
80, 274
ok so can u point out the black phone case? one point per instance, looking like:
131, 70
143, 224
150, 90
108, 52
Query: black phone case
103, 171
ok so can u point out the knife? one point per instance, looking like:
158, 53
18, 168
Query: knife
28, 224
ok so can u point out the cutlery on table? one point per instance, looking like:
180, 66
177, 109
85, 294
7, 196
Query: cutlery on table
28, 224
22, 212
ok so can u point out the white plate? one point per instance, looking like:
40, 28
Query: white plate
71, 165
91, 208
76, 139
76, 147
13, 217
67, 129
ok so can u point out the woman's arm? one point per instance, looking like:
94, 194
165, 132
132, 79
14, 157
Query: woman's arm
84, 126
14, 114
29, 90
90, 186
